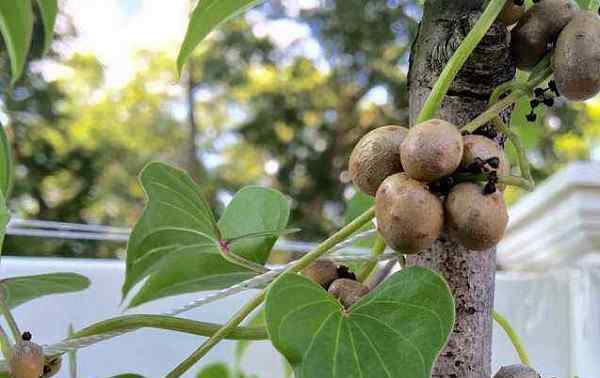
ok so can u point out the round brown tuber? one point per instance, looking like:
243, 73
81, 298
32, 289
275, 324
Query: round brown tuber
27, 360
577, 57
431, 150
475, 220
323, 272
376, 156
516, 371
409, 217
511, 13
347, 291
540, 26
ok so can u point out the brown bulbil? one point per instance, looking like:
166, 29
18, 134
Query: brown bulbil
577, 57
512, 13
540, 26
431, 150
348, 292
478, 146
26, 361
476, 220
376, 156
409, 217
323, 272
516, 371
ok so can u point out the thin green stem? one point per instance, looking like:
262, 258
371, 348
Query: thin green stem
133, 322
492, 112
231, 257
376, 250
502, 179
72, 356
10, 319
250, 306
507, 101
513, 337
5, 344
460, 56
516, 142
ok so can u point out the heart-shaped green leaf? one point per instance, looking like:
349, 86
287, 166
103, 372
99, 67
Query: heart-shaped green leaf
19, 290
396, 331
16, 25
177, 241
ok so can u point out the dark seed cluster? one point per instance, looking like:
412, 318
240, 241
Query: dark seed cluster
543, 96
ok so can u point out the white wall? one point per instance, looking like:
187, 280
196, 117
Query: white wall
557, 314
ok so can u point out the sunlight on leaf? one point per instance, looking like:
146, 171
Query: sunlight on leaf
207, 15
398, 330
19, 290
16, 25
6, 164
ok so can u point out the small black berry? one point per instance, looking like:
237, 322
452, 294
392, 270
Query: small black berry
534, 103
489, 188
539, 92
549, 101
26, 336
344, 272
531, 117
519, 2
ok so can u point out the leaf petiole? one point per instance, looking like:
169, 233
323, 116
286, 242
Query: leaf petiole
513, 337
343, 234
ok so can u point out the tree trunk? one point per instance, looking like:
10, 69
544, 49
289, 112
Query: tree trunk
470, 274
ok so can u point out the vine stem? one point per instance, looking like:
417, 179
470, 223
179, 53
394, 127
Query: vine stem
10, 319
132, 322
460, 56
498, 107
5, 344
367, 268
250, 306
513, 337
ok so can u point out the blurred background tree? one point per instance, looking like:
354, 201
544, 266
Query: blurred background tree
258, 105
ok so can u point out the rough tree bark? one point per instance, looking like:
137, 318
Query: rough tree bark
470, 274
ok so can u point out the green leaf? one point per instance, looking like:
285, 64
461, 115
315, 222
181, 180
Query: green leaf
19, 290
6, 166
4, 218
176, 241
216, 370
48, 10
396, 331
207, 15
588, 4
16, 25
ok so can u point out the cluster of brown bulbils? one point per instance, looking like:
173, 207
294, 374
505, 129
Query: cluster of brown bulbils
419, 179
572, 36
415, 175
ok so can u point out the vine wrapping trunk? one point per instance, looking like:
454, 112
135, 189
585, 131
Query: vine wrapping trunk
470, 274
